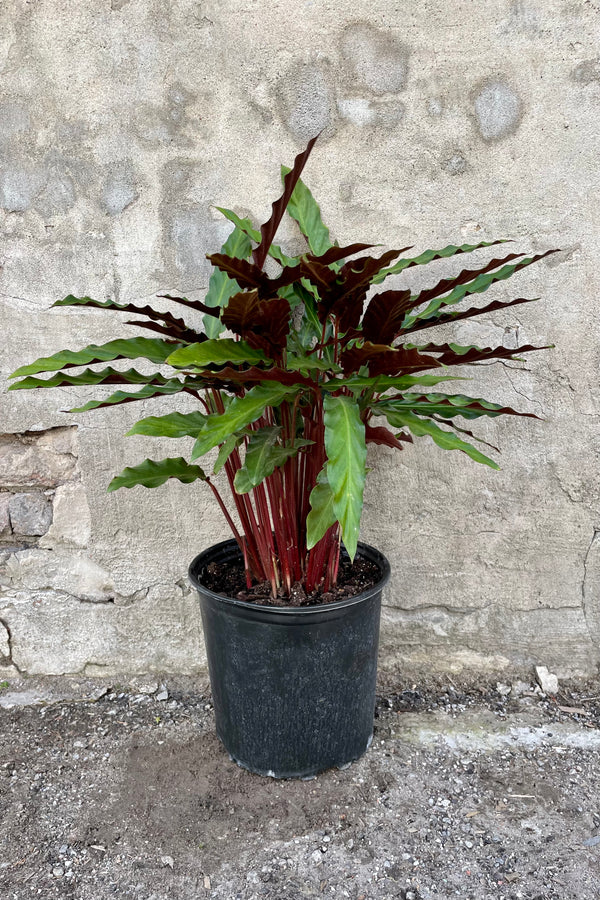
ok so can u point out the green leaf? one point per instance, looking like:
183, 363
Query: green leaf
171, 387
215, 352
152, 349
247, 227
225, 451
89, 376
381, 383
221, 287
306, 364
173, 425
477, 286
430, 255
445, 405
263, 456
152, 474
305, 210
346, 457
444, 439
321, 515
241, 412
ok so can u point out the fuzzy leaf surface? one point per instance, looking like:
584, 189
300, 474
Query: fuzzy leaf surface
152, 474
346, 458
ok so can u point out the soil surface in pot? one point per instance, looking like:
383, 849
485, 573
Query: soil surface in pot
229, 579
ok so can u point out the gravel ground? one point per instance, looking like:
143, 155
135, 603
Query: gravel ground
472, 792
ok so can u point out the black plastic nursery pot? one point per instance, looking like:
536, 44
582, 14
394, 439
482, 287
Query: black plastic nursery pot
293, 687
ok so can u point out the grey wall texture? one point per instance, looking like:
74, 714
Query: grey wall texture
123, 123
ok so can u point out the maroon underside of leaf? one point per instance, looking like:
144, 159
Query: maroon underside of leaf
263, 324
474, 405
269, 229
448, 357
453, 316
334, 254
177, 334
464, 277
384, 315
193, 304
384, 360
379, 434
238, 378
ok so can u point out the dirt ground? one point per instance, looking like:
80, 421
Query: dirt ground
487, 791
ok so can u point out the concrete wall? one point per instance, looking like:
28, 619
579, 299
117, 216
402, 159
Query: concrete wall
122, 122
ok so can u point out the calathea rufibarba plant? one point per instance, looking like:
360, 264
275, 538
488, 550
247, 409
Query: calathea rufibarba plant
295, 373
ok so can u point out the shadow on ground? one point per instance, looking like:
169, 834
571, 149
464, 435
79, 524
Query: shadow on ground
466, 792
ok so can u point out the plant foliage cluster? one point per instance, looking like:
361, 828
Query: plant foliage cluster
294, 375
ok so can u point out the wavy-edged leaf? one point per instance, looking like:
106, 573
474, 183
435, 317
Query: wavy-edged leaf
457, 355
270, 227
170, 325
248, 228
335, 254
442, 317
384, 360
171, 387
235, 378
321, 515
384, 315
466, 276
263, 456
153, 349
173, 425
431, 255
447, 440
346, 458
446, 405
152, 474
379, 434
88, 377
225, 451
221, 287
381, 383
304, 209
241, 412
477, 286
264, 324
216, 352
312, 363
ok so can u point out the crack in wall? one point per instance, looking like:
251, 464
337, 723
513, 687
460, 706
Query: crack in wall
9, 660
585, 589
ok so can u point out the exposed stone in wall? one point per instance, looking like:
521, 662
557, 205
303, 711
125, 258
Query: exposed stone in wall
376, 60
498, 110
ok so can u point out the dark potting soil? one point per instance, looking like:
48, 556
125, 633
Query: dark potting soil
229, 579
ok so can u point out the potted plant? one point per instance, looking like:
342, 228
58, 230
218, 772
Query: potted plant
295, 372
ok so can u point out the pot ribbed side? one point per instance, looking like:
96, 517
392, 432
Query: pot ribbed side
293, 688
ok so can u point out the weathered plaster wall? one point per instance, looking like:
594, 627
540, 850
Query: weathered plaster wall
122, 123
